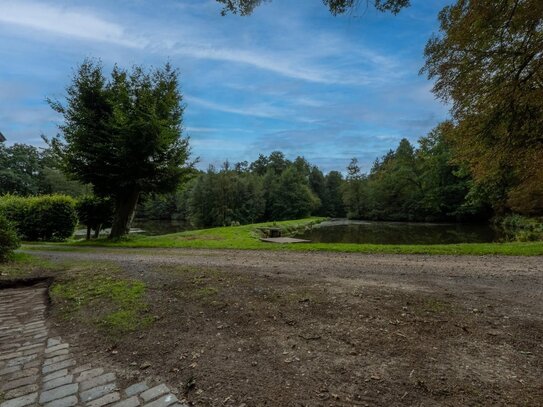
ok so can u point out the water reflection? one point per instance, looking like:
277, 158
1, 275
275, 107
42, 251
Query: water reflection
154, 227
344, 231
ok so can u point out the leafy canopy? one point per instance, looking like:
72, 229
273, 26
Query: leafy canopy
123, 133
487, 62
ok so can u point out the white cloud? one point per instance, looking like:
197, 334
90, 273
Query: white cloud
285, 65
258, 110
316, 63
217, 144
81, 24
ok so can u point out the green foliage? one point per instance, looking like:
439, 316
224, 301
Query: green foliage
26, 170
291, 197
94, 212
486, 62
19, 169
226, 197
522, 228
332, 201
414, 185
123, 134
54, 181
46, 217
8, 239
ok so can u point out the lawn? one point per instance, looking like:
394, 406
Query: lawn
246, 237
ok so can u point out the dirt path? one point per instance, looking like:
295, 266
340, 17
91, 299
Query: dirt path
328, 329
516, 280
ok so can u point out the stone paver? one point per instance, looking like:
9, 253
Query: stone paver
39, 370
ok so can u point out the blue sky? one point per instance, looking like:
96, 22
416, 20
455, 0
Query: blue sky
290, 77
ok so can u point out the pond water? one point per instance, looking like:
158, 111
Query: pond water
147, 227
154, 227
346, 231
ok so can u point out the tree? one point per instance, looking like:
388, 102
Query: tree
246, 7
446, 185
277, 162
317, 183
123, 135
226, 197
20, 169
355, 192
292, 198
260, 165
332, 204
487, 61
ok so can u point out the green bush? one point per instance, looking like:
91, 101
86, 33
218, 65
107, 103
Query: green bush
8, 239
46, 217
522, 228
95, 213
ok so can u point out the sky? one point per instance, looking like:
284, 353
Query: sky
290, 77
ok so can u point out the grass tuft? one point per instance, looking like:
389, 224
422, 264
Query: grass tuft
116, 305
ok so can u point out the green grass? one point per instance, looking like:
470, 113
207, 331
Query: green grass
24, 265
246, 238
87, 290
117, 305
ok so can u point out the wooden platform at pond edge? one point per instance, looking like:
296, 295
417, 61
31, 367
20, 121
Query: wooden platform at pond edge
283, 240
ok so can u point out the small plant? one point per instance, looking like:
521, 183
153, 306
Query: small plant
9, 240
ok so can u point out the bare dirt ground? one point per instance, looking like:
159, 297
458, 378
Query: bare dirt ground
244, 328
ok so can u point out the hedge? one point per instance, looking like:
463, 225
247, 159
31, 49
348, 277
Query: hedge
8, 239
46, 217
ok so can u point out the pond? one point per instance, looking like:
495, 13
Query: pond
147, 227
154, 227
347, 231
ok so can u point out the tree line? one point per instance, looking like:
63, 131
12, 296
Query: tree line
406, 184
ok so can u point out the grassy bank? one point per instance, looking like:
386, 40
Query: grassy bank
247, 238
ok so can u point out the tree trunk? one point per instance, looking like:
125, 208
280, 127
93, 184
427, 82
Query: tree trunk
97, 231
88, 232
125, 207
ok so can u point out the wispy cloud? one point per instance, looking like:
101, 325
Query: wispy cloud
70, 22
260, 110
284, 65
315, 65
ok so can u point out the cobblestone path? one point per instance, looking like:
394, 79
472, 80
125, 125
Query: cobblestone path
37, 370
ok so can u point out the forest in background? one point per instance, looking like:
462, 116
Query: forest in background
406, 184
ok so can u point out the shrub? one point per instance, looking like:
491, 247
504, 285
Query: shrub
95, 213
522, 228
8, 239
46, 217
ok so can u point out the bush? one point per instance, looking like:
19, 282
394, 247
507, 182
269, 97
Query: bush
521, 228
8, 239
46, 217
95, 213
